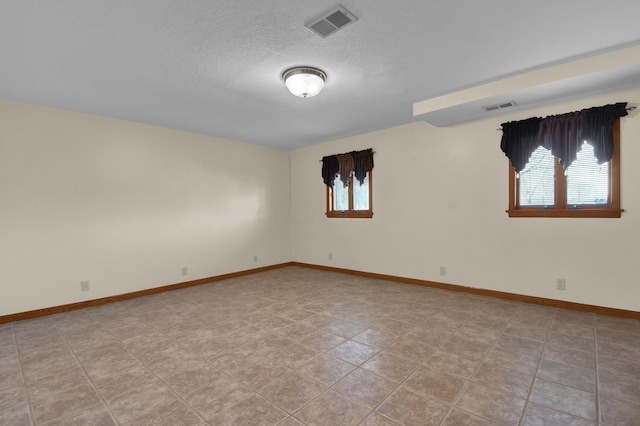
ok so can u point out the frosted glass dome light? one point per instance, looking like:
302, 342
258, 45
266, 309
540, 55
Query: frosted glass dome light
304, 82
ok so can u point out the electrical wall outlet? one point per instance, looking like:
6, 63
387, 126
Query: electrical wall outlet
255, 258
185, 270
85, 286
443, 271
330, 256
560, 284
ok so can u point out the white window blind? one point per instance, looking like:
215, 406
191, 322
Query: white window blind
587, 181
536, 182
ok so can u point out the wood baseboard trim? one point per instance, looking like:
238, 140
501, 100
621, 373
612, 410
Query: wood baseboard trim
602, 310
482, 292
117, 298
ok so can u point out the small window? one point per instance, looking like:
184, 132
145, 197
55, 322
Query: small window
585, 189
352, 200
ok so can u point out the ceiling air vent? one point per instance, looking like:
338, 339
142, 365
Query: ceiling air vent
499, 106
331, 22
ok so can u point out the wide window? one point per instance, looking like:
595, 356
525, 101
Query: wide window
544, 188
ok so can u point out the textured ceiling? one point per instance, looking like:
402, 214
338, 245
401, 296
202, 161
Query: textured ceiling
214, 67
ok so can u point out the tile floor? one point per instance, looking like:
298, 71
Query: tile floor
297, 346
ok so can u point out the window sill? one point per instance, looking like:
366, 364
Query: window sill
586, 212
351, 215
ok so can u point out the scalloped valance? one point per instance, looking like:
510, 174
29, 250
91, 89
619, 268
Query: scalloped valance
357, 162
562, 134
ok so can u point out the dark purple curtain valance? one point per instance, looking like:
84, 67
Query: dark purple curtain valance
519, 140
358, 162
562, 134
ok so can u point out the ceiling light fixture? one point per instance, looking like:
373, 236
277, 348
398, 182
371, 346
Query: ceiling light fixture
304, 82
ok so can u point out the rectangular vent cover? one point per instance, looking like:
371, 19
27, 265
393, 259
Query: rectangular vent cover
496, 107
331, 22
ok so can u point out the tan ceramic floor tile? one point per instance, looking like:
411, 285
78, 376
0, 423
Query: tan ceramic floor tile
564, 398
234, 358
437, 384
365, 387
292, 391
518, 363
531, 333
254, 410
573, 342
577, 377
569, 356
96, 414
291, 421
219, 394
174, 414
298, 314
509, 381
47, 363
625, 388
294, 355
390, 366
376, 419
106, 360
320, 320
12, 396
412, 409
331, 408
486, 402
618, 413
121, 382
62, 402
393, 327
260, 373
345, 328
453, 363
466, 347
326, 369
618, 348
538, 415
629, 368
206, 341
520, 345
459, 417
140, 401
322, 341
353, 352
411, 348
375, 338
16, 415
298, 330
85, 340
573, 329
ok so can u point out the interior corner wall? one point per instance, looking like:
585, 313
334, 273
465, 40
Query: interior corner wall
439, 199
126, 206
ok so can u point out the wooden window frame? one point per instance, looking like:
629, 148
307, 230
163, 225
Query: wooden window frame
560, 209
353, 214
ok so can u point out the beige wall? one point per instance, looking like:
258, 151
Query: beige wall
126, 206
439, 199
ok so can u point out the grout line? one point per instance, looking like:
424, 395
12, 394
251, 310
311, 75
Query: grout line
470, 377
24, 378
506, 317
113, 417
535, 375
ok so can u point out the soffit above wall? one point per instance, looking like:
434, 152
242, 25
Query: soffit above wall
597, 74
